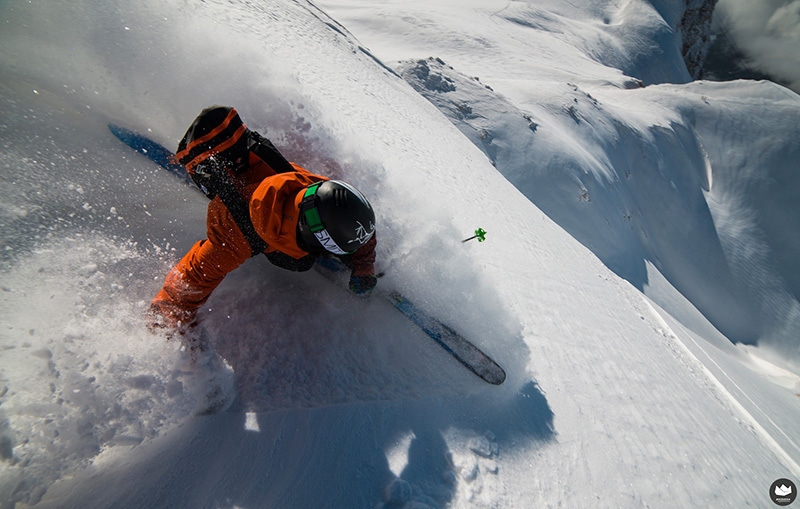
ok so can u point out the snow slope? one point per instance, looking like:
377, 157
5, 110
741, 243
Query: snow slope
658, 181
615, 397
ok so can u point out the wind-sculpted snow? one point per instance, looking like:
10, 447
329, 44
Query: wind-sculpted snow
665, 189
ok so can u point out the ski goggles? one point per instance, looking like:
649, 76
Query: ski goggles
308, 210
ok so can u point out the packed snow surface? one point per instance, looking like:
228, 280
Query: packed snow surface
639, 280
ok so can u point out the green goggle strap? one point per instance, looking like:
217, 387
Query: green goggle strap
309, 210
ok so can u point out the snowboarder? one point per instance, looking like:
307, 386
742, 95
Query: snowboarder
260, 203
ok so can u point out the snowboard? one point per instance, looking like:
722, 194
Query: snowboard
465, 352
472, 357
156, 152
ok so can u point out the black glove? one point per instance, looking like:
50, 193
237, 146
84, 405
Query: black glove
363, 285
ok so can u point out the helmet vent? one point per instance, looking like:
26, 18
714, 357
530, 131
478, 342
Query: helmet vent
340, 197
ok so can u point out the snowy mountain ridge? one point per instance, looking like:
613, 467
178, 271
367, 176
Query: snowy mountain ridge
625, 214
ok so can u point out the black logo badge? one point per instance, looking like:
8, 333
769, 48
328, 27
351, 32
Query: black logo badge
783, 492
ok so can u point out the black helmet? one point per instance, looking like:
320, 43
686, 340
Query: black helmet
335, 216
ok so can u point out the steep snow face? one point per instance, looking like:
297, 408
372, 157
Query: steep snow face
659, 188
511, 42
645, 178
609, 401
89, 229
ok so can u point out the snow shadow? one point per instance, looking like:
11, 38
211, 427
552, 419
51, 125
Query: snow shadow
333, 410
386, 454
301, 340
346, 394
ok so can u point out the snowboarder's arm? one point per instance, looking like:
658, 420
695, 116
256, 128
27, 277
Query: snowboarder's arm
363, 260
362, 277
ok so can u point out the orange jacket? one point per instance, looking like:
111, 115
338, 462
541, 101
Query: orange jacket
274, 201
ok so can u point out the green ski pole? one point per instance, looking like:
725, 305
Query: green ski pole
480, 234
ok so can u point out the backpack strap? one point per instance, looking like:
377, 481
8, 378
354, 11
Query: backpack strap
239, 209
223, 186
218, 140
266, 151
